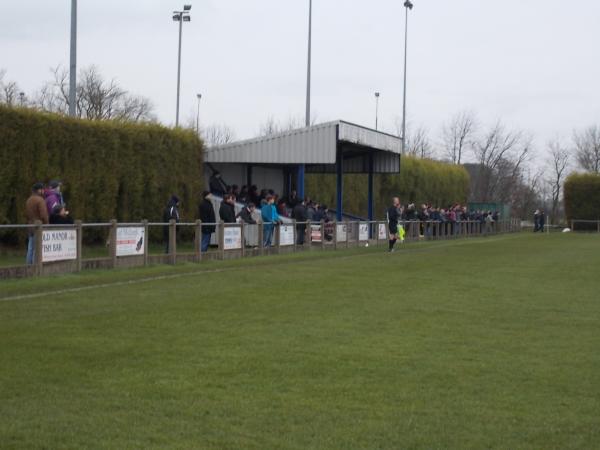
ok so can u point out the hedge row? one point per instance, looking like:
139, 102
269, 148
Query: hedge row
419, 181
582, 196
111, 170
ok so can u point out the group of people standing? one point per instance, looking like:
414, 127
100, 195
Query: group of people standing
47, 206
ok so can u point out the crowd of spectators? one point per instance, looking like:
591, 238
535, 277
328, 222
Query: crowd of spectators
448, 218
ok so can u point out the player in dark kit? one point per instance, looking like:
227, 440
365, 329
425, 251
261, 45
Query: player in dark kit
393, 218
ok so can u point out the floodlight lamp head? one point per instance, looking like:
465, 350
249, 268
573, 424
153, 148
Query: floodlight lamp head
408, 4
377, 94
187, 7
176, 17
186, 18
199, 96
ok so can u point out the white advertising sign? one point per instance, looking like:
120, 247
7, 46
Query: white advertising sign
382, 231
130, 241
59, 245
286, 235
232, 238
363, 232
315, 233
341, 232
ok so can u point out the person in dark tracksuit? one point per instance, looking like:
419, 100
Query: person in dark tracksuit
207, 215
299, 213
227, 209
171, 212
393, 217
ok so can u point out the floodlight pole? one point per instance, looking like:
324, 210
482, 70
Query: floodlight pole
179, 69
180, 16
407, 5
199, 96
73, 62
376, 111
301, 167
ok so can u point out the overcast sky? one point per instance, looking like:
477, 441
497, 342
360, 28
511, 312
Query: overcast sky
532, 63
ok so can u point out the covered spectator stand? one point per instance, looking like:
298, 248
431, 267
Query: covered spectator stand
331, 148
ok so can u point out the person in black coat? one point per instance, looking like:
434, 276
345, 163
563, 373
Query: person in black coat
207, 215
171, 212
60, 216
246, 214
299, 213
227, 209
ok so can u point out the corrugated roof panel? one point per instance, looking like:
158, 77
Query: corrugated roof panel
313, 145
369, 138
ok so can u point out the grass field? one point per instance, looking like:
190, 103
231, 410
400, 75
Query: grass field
474, 344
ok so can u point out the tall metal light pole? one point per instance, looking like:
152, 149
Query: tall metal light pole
301, 168
199, 97
73, 62
376, 111
180, 16
308, 67
407, 5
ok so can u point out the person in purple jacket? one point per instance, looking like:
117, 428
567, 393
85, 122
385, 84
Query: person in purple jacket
54, 196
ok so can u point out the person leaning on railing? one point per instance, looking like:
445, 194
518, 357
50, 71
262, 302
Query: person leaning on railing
207, 215
270, 218
35, 210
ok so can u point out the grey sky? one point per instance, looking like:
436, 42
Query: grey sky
532, 63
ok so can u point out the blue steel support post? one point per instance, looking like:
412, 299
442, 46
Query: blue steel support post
300, 182
340, 183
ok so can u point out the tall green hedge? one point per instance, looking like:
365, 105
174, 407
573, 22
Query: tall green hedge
582, 196
419, 181
111, 170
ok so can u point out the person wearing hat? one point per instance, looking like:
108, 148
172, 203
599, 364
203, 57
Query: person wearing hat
54, 196
35, 209
171, 212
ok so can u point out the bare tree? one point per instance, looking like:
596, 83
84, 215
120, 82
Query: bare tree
500, 155
418, 143
97, 99
559, 160
270, 126
9, 90
216, 135
587, 148
457, 135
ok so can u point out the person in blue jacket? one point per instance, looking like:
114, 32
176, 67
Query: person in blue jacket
269, 217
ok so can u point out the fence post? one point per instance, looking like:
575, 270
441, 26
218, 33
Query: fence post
322, 234
278, 237
335, 234
146, 238
347, 234
38, 250
172, 242
572, 225
261, 238
222, 239
308, 237
198, 240
79, 231
113, 243
243, 234
295, 233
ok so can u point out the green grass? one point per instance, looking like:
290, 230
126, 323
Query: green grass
483, 343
